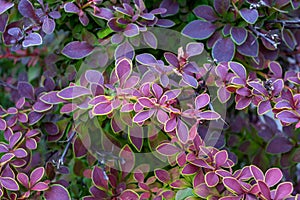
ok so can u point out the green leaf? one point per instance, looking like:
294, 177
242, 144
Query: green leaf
182, 194
103, 33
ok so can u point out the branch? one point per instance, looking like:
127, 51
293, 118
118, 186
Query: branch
264, 36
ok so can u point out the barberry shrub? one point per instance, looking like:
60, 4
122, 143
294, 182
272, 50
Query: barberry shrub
162, 99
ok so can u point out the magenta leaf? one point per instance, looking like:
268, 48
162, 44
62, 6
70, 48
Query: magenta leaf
123, 69
257, 173
223, 50
162, 175
9, 183
221, 158
73, 92
182, 132
189, 169
288, 116
36, 175
3, 21
129, 159
131, 30
77, 49
129, 194
283, 190
264, 189
98, 177
23, 179
199, 29
273, 176
238, 69
57, 192
143, 116
41, 186
211, 179
233, 185
201, 101
167, 149
102, 108
249, 15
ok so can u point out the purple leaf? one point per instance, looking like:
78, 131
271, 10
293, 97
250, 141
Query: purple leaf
124, 50
33, 39
182, 132
238, 35
40, 106
249, 15
279, 145
189, 169
221, 6
162, 175
123, 69
48, 25
194, 49
73, 92
3, 21
146, 59
172, 7
171, 59
31, 143
165, 23
205, 12
150, 39
199, 29
131, 30
26, 9
288, 116
223, 50
201, 101
55, 14
102, 108
2, 124
36, 175
34, 117
20, 153
283, 190
211, 179
51, 98
249, 47
145, 102
273, 176
71, 8
288, 38
77, 49
223, 94
167, 149
263, 107
9, 183
238, 69
190, 80
26, 90
233, 185
57, 192
276, 69
5, 5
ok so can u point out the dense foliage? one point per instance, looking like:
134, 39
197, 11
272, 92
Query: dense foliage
133, 99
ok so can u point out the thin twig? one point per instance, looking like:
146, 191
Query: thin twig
264, 36
60, 161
